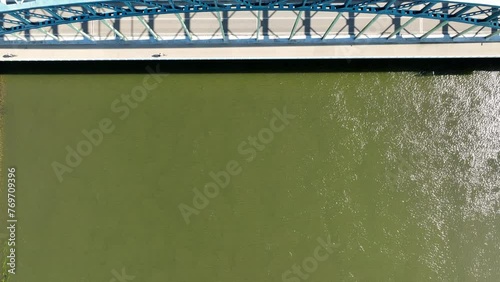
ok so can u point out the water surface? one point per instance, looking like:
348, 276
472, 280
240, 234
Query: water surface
401, 171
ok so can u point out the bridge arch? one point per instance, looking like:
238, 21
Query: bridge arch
41, 14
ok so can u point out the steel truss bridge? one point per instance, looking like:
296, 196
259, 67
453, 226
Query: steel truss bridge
207, 21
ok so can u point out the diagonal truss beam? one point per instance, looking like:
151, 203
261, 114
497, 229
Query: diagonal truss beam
80, 31
339, 15
367, 26
184, 27
399, 29
49, 34
19, 37
294, 28
469, 29
151, 31
440, 25
118, 33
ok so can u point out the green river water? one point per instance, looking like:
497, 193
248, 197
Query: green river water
325, 177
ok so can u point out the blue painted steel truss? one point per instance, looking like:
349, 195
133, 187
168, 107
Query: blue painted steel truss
22, 17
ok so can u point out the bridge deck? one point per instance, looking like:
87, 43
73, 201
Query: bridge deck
86, 53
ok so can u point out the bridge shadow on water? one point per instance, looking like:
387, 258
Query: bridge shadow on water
420, 66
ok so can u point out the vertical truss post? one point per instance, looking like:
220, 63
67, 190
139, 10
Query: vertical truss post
122, 37
347, 3
331, 25
259, 21
399, 29
465, 31
184, 27
292, 33
80, 31
367, 26
221, 26
151, 31
259, 12
440, 25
